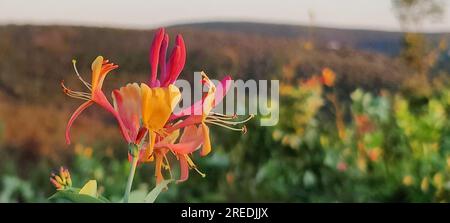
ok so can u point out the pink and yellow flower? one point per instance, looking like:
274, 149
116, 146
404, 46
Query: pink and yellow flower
145, 112
100, 68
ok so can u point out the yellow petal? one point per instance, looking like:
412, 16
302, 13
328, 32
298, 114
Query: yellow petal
90, 188
158, 104
96, 69
206, 141
209, 101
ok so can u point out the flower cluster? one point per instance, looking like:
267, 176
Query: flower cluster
145, 112
63, 180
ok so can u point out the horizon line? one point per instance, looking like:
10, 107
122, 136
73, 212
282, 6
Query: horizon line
195, 22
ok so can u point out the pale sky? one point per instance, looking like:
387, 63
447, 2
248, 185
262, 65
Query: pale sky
148, 14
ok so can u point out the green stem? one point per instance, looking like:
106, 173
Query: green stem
130, 179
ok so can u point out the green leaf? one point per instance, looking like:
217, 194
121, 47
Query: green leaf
151, 197
75, 197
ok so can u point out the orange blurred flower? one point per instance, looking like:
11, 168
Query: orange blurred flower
364, 124
328, 77
374, 154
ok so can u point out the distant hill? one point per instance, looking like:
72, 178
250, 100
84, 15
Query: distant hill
385, 42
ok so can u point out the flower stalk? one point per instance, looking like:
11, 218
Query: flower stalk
134, 151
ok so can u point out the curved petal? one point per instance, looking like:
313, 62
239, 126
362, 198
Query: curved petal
222, 89
96, 68
184, 169
100, 68
74, 116
191, 133
127, 102
101, 100
162, 58
206, 141
197, 107
180, 42
186, 147
154, 54
179, 60
173, 65
190, 140
191, 120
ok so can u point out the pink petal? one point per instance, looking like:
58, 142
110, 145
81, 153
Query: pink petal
100, 99
154, 54
172, 66
222, 89
190, 133
182, 61
184, 169
120, 109
186, 147
74, 116
197, 107
162, 58
191, 120
190, 141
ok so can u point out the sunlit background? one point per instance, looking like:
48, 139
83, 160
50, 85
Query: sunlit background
364, 97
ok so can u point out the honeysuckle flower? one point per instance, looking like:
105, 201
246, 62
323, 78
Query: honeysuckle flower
160, 96
100, 68
145, 112
63, 180
163, 126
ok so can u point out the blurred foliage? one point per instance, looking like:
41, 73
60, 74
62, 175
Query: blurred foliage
418, 52
412, 14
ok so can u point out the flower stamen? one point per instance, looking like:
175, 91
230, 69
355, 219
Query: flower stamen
89, 86
167, 166
75, 94
226, 126
224, 121
193, 166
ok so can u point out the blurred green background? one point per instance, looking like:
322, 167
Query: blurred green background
379, 133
